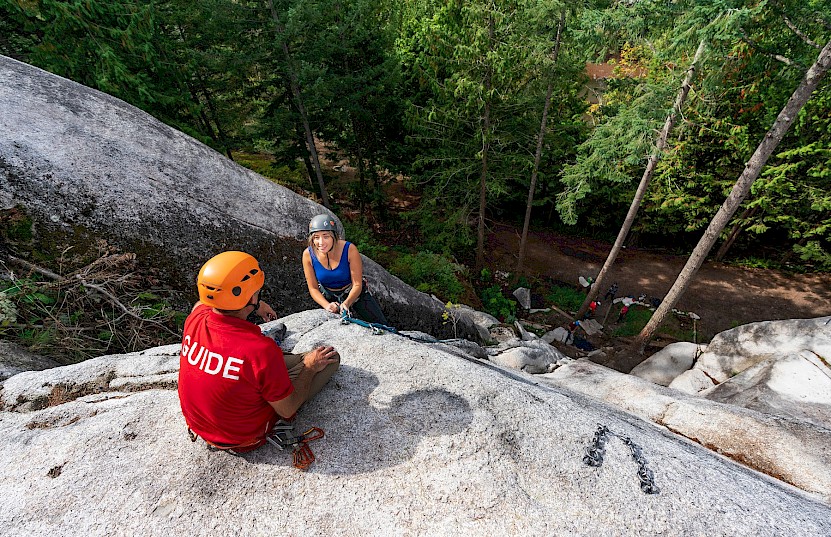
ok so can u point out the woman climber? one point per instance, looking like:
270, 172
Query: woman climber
334, 273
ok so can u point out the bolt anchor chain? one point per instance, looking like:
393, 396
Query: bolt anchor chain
597, 449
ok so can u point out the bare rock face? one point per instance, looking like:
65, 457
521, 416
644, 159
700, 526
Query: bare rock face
86, 164
419, 441
794, 451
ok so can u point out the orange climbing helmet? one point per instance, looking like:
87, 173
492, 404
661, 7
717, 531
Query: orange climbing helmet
229, 280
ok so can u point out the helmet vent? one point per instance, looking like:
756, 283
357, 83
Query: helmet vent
246, 277
236, 291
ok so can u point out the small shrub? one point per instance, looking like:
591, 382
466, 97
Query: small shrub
565, 298
362, 236
430, 273
497, 305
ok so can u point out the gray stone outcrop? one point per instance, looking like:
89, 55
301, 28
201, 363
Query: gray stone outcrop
14, 360
85, 164
732, 351
418, 442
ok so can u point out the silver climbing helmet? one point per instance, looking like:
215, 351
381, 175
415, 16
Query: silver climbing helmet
323, 222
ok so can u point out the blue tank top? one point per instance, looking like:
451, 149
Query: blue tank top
333, 279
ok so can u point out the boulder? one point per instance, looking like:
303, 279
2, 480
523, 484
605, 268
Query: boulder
84, 164
523, 297
692, 381
418, 441
481, 321
504, 336
530, 356
796, 386
666, 364
558, 334
793, 451
524, 334
732, 351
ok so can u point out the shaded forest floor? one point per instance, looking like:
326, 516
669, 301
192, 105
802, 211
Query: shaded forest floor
723, 296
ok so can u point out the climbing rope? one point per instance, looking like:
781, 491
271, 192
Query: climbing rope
378, 329
283, 438
597, 449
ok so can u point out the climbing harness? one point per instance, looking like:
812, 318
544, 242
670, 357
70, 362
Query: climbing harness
282, 436
597, 449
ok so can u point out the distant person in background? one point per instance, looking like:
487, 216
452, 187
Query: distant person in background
334, 273
623, 311
610, 294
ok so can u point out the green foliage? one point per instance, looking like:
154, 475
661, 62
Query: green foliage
495, 303
430, 273
565, 298
361, 235
266, 166
633, 323
478, 73
443, 232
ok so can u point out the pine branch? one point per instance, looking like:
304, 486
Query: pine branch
799, 33
778, 57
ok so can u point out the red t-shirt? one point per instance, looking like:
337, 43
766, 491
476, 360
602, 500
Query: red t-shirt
228, 372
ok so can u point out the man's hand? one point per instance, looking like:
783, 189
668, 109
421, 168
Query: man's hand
318, 359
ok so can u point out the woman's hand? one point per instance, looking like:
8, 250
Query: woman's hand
265, 312
333, 307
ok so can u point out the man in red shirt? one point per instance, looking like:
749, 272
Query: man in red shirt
234, 382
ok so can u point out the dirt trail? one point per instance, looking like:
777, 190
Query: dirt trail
721, 295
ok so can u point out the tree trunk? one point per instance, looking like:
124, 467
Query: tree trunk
538, 154
359, 156
734, 233
486, 126
298, 101
740, 190
647, 177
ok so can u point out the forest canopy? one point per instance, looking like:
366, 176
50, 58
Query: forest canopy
485, 108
